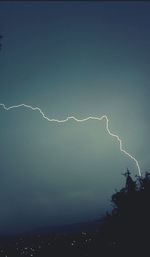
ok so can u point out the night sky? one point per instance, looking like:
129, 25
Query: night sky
70, 58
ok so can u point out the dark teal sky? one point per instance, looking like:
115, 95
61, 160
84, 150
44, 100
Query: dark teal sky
70, 58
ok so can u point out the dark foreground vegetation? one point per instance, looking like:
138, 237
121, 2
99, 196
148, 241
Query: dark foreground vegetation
123, 232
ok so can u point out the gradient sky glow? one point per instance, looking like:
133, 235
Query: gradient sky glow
70, 59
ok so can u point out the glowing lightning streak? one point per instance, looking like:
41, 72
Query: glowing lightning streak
78, 120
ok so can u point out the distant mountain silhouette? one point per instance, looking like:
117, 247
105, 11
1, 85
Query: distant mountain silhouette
64, 229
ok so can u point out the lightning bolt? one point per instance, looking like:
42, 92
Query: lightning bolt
78, 120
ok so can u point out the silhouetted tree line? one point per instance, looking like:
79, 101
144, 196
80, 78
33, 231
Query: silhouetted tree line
127, 228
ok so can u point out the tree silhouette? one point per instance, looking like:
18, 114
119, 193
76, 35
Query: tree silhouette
0, 42
129, 222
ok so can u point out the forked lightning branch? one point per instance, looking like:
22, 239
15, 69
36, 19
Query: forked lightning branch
104, 117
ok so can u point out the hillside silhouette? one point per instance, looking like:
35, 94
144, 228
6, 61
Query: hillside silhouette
122, 232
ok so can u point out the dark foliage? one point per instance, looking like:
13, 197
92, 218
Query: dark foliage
0, 42
128, 225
